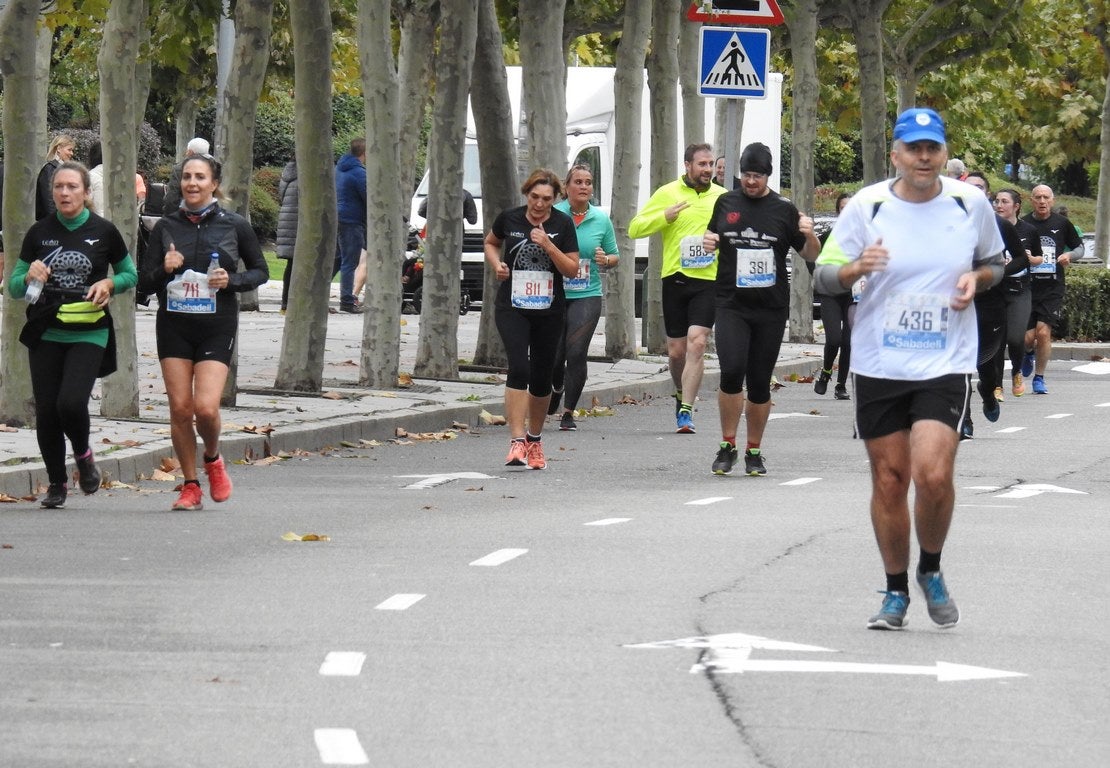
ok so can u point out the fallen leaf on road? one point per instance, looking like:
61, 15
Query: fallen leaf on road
8, 499
165, 477
169, 464
305, 537
332, 396
404, 380
628, 400
460, 426
6, 546
368, 443
122, 443
294, 452
489, 418
385, 394
6, 428
255, 430
400, 432
479, 488
350, 362
266, 461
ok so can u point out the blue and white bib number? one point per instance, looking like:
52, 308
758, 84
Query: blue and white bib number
532, 289
581, 281
188, 293
857, 288
692, 255
1048, 266
755, 268
916, 321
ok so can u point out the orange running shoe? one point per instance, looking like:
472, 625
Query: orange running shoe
219, 484
190, 498
535, 456
517, 454
1018, 385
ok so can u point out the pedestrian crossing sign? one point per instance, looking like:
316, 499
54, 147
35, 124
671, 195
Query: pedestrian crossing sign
735, 62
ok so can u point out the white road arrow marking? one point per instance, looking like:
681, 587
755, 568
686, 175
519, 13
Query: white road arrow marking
1097, 368
731, 654
431, 481
1024, 491
733, 640
737, 661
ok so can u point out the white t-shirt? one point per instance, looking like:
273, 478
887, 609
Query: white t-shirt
904, 327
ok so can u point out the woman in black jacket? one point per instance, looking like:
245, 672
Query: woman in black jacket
191, 264
288, 199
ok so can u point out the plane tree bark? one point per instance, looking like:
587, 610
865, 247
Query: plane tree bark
301, 365
437, 347
381, 330
628, 96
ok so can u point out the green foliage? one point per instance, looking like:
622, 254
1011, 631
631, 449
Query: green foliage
1087, 304
835, 160
274, 142
264, 209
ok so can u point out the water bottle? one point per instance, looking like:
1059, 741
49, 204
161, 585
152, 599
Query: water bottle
34, 290
213, 263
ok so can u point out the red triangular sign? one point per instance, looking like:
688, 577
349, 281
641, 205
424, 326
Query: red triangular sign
756, 12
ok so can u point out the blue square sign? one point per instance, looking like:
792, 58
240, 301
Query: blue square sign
735, 62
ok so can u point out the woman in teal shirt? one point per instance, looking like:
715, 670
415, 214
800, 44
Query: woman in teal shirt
69, 334
597, 248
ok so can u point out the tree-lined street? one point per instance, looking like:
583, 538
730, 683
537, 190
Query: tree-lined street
553, 618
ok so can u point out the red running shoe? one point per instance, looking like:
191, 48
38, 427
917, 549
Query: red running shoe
190, 498
536, 459
219, 484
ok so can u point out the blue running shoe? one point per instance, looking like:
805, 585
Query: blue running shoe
1027, 364
685, 423
942, 608
1039, 387
893, 613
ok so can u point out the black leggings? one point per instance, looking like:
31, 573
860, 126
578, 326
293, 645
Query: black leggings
838, 333
748, 347
62, 378
530, 342
574, 348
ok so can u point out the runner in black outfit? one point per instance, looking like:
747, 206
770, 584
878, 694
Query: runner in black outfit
755, 229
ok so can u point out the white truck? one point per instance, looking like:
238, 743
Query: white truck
591, 138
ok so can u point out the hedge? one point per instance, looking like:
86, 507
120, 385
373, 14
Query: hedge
1087, 304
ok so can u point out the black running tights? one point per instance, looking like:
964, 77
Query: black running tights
62, 377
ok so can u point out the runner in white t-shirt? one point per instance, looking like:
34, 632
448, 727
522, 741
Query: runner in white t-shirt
926, 244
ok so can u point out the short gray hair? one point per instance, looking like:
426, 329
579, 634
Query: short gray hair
197, 146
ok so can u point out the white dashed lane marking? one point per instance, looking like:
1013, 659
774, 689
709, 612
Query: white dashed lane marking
499, 557
340, 746
609, 521
802, 481
399, 602
706, 502
1059, 416
343, 664
1008, 430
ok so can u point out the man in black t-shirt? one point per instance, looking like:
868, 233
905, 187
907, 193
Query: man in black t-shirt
1060, 244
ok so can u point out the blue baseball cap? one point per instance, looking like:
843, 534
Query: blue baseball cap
919, 124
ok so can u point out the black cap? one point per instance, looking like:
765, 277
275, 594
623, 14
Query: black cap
756, 159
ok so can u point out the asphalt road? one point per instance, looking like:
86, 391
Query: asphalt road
622, 608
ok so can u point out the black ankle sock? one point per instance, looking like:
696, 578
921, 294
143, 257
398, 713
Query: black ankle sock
194, 482
898, 582
209, 459
929, 562
533, 438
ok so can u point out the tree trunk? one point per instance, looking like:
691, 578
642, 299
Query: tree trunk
543, 95
693, 105
867, 24
493, 120
628, 97
381, 330
437, 348
1102, 205
806, 89
905, 80
662, 69
185, 120
414, 71
119, 121
301, 366
23, 154
234, 144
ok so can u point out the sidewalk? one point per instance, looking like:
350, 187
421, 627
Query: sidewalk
265, 422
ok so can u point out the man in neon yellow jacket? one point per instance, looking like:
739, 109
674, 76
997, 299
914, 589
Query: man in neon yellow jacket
680, 210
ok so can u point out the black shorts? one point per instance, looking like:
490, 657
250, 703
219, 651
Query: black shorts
687, 301
1048, 304
195, 338
886, 406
